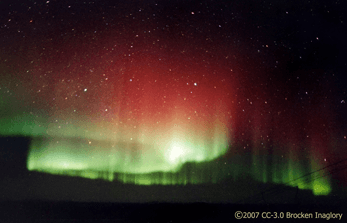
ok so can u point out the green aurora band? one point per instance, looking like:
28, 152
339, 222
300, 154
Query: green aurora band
180, 158
138, 161
175, 163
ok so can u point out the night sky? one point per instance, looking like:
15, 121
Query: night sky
174, 93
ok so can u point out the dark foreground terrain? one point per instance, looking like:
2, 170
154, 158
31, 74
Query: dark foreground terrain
43, 211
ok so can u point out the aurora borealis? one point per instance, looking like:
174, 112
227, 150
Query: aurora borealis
159, 93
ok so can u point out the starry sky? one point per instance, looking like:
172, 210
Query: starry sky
195, 80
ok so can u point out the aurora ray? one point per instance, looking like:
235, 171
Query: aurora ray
158, 129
